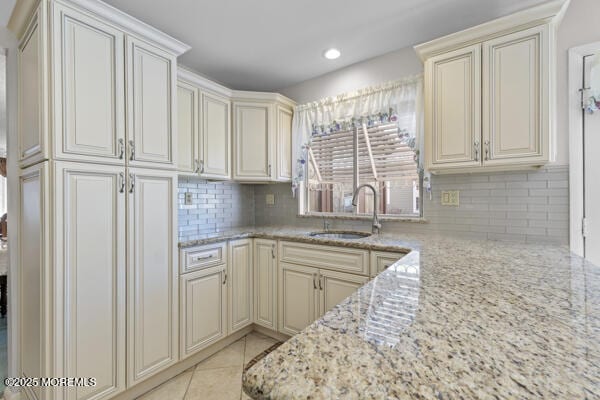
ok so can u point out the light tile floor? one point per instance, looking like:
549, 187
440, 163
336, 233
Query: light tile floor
218, 377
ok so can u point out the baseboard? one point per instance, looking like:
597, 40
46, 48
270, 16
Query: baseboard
181, 366
282, 337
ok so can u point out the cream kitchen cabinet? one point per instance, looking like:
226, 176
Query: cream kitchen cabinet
151, 76
96, 93
204, 136
153, 306
187, 128
265, 283
490, 94
33, 87
307, 293
240, 284
453, 110
381, 260
203, 308
261, 137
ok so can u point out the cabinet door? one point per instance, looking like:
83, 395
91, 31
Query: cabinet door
91, 264
33, 272
215, 147
515, 97
152, 317
252, 142
453, 109
32, 83
187, 128
265, 283
297, 297
335, 287
240, 284
284, 144
89, 78
151, 105
203, 310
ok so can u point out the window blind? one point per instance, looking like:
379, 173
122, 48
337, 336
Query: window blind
384, 154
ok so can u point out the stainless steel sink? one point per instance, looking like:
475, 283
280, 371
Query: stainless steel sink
340, 235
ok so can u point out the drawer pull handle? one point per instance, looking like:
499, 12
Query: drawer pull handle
320, 283
314, 281
131, 150
225, 278
121, 149
200, 258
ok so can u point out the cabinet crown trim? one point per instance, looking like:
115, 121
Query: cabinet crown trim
24, 9
202, 82
269, 97
552, 11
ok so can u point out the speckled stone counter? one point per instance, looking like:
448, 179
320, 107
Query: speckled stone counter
453, 319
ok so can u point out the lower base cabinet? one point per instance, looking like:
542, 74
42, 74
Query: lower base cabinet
240, 285
203, 309
307, 293
265, 283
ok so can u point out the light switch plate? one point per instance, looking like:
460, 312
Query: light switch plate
270, 199
450, 198
188, 198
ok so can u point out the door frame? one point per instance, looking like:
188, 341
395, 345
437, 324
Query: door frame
576, 167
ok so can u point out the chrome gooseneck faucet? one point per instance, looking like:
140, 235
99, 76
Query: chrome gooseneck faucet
376, 224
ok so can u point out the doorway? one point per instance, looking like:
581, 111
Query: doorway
584, 152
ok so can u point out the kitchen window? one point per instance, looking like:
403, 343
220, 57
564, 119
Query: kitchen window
380, 149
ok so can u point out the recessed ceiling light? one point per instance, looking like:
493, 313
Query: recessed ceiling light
332, 54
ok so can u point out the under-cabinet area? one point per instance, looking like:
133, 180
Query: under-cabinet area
279, 285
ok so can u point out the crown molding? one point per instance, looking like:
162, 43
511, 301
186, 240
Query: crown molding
197, 80
245, 95
550, 12
25, 8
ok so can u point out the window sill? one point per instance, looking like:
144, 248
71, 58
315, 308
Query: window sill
382, 218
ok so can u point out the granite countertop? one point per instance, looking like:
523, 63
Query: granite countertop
453, 319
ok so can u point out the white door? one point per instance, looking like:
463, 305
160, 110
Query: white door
265, 283
151, 105
515, 97
592, 163
91, 263
89, 98
32, 131
240, 284
187, 128
284, 144
298, 293
252, 142
453, 111
203, 310
335, 287
215, 147
153, 302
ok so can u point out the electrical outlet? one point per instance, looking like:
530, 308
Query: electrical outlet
188, 198
450, 198
270, 199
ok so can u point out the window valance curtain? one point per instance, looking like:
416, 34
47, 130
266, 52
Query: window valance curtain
398, 101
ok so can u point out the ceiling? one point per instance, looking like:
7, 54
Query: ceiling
273, 44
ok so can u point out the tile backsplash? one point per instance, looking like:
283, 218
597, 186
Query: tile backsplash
216, 206
525, 206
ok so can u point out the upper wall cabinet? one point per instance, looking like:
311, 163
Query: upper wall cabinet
91, 110
96, 85
490, 94
262, 137
204, 130
33, 137
151, 86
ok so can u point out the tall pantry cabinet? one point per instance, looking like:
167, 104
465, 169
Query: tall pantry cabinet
98, 283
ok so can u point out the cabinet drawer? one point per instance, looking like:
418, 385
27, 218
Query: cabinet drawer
328, 257
381, 260
209, 255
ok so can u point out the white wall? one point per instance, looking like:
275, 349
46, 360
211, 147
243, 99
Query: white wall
580, 25
387, 67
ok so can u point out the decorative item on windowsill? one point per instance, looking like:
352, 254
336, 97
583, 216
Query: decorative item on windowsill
592, 103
